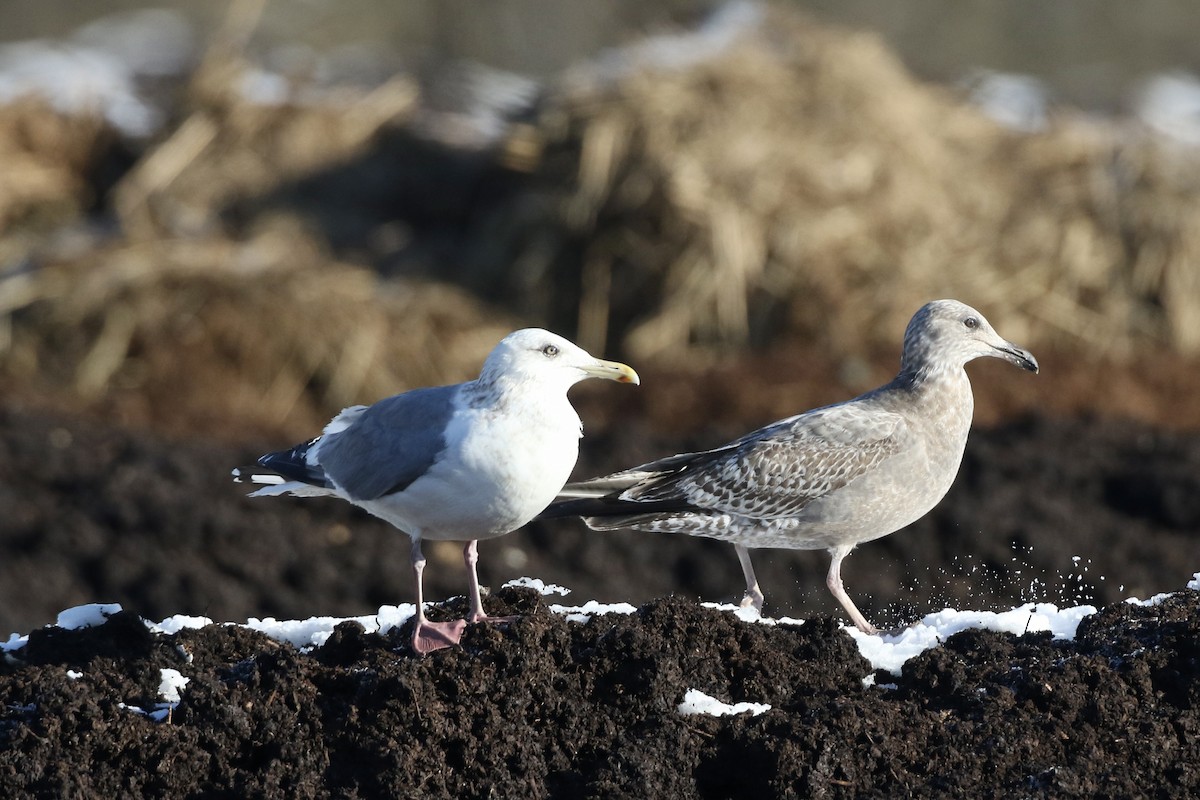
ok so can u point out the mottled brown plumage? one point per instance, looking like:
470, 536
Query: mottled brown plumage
826, 479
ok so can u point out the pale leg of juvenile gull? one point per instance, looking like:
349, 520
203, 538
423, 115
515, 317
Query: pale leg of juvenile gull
753, 596
476, 614
429, 636
834, 582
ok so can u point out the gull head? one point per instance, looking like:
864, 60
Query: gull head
536, 355
946, 334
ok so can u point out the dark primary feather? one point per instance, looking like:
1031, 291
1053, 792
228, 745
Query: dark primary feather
293, 464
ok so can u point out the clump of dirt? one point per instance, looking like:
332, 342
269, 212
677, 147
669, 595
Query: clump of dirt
544, 707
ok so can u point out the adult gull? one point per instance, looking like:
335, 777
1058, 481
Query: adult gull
825, 479
465, 462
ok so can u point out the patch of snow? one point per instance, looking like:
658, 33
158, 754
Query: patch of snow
539, 586
75, 80
304, 633
1170, 104
264, 88
177, 623
171, 681
584, 612
1150, 601
1017, 102
697, 702
315, 631
98, 70
890, 651
87, 616
15, 642
751, 614
389, 618
715, 35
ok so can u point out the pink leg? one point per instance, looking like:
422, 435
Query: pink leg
476, 613
753, 596
834, 582
429, 636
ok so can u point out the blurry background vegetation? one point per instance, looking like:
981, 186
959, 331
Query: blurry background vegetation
242, 217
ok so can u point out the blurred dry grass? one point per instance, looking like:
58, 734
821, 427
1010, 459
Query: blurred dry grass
46, 159
803, 185
268, 332
798, 186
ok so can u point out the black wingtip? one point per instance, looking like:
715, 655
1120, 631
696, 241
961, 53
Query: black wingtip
291, 464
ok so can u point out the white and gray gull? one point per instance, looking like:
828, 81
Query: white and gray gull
827, 479
471, 461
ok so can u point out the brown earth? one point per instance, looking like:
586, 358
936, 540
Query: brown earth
547, 708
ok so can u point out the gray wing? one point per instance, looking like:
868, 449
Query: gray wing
778, 470
390, 444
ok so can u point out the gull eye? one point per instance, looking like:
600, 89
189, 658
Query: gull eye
550, 350
971, 322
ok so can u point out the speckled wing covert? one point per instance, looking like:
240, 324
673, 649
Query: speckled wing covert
775, 471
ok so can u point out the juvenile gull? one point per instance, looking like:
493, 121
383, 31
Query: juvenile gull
466, 462
826, 479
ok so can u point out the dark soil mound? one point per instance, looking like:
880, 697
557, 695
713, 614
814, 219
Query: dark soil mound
95, 513
548, 708
551, 708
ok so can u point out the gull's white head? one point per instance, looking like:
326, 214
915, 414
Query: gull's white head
946, 334
536, 355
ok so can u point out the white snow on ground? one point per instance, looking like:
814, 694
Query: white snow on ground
100, 67
178, 623
750, 614
591, 608
314, 631
889, 651
886, 651
539, 586
170, 682
697, 702
87, 616
1170, 104
1015, 101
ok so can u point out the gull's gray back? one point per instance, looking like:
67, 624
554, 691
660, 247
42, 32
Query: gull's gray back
390, 444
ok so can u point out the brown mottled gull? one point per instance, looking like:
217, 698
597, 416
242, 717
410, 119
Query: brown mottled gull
825, 479
466, 462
